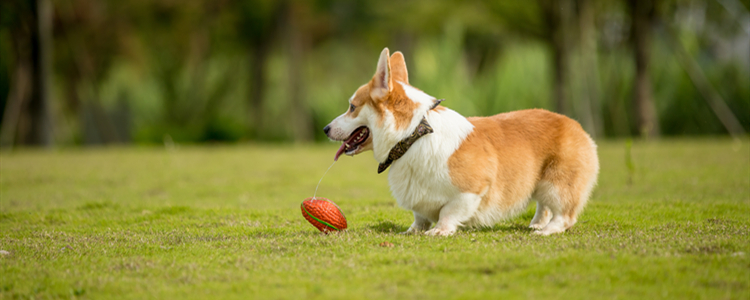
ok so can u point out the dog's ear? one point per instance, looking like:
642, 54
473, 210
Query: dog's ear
381, 82
398, 68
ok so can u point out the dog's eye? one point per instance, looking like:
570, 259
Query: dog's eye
351, 107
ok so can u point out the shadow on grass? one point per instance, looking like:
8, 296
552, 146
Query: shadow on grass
387, 227
390, 227
98, 205
509, 228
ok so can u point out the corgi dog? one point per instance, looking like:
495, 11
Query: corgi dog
453, 171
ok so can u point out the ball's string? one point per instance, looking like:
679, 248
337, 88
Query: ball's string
321, 179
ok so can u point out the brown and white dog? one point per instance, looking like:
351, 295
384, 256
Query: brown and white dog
467, 171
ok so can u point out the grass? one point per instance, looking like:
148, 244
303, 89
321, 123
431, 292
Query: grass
224, 222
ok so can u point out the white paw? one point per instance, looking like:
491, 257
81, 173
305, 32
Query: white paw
440, 232
537, 226
549, 230
411, 230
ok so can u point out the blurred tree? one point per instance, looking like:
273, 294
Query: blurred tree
217, 70
298, 44
20, 78
41, 51
554, 22
712, 97
557, 15
258, 28
306, 24
88, 35
590, 109
643, 13
27, 112
179, 40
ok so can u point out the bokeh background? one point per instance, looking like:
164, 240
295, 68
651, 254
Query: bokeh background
92, 72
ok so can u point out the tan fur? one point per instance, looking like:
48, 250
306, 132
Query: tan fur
395, 101
362, 98
508, 154
401, 106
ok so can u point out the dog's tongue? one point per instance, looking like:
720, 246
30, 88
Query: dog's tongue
340, 151
350, 141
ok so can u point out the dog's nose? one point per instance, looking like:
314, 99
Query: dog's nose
326, 129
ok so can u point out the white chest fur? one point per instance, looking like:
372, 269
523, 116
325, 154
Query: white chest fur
420, 180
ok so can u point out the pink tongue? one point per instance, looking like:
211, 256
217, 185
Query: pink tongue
340, 151
350, 140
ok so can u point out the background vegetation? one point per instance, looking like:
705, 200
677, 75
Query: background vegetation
153, 71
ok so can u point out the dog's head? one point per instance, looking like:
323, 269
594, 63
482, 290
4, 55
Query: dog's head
381, 112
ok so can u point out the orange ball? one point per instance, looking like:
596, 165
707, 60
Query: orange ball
323, 214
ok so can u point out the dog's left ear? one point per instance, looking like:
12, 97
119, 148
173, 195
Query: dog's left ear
381, 82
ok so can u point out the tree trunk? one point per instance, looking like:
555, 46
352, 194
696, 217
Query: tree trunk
590, 107
643, 14
256, 107
15, 103
302, 125
39, 133
560, 66
259, 51
557, 13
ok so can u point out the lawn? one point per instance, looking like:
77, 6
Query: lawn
224, 222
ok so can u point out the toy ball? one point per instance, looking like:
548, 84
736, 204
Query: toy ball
323, 214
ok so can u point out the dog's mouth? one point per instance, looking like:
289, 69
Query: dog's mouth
354, 142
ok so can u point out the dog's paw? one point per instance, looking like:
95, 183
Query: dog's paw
547, 231
411, 230
537, 226
439, 232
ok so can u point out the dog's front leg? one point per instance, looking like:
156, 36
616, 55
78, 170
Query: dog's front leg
420, 224
455, 213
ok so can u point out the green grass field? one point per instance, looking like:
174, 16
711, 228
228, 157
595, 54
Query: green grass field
224, 222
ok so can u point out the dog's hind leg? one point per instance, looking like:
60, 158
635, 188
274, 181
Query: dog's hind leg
455, 213
565, 202
550, 198
565, 189
542, 216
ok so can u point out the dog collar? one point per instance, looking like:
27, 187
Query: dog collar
423, 128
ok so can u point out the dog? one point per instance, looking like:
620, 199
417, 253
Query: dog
453, 171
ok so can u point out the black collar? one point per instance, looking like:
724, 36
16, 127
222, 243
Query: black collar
423, 128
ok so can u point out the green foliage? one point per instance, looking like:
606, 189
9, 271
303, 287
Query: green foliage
188, 70
224, 222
